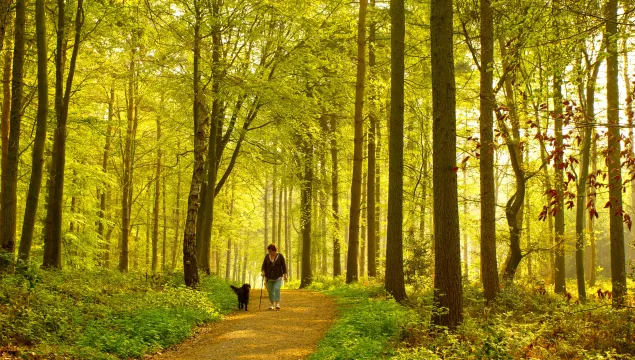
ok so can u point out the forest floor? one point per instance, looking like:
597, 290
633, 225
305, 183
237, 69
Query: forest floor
290, 333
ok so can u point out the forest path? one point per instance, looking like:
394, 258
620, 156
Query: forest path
290, 333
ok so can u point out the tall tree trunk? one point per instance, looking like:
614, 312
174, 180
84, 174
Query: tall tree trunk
6, 110
394, 282
465, 238
53, 242
560, 283
591, 195
102, 228
288, 233
447, 270
9, 186
273, 204
39, 143
279, 236
352, 271
372, 151
618, 266
266, 198
177, 215
489, 266
362, 252
337, 262
630, 117
190, 266
212, 161
127, 164
305, 211
157, 203
165, 227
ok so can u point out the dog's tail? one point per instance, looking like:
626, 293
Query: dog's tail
234, 288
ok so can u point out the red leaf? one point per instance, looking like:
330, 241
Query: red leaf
455, 169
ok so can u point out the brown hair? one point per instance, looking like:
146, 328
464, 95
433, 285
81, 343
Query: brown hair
272, 247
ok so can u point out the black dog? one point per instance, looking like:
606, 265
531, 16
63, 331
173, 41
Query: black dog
243, 295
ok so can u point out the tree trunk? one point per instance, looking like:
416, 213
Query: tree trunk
288, 233
305, 211
165, 227
352, 272
39, 143
6, 110
53, 242
266, 213
9, 186
362, 252
190, 266
273, 204
177, 216
447, 272
101, 229
560, 283
394, 282
618, 266
489, 266
157, 203
372, 115
127, 164
212, 161
337, 262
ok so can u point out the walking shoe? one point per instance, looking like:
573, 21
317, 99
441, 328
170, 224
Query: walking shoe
277, 305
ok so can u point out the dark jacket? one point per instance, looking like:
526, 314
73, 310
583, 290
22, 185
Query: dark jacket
274, 270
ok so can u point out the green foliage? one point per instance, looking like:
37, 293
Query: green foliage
366, 324
99, 314
523, 323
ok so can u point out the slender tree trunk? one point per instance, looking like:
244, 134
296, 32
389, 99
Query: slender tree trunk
288, 233
190, 266
9, 186
618, 266
372, 151
465, 238
177, 215
212, 161
337, 262
6, 110
394, 282
560, 284
630, 117
53, 242
447, 273
157, 199
102, 227
362, 252
273, 204
39, 143
352, 271
279, 236
593, 255
305, 211
165, 228
266, 213
489, 266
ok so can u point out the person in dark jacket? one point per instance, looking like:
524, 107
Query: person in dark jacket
274, 269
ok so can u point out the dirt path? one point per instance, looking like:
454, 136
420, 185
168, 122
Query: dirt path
290, 333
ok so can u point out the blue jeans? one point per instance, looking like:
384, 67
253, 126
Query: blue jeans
273, 289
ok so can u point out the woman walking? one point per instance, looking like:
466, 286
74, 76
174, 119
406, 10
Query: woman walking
274, 269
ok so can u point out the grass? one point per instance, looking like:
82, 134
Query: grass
367, 322
103, 314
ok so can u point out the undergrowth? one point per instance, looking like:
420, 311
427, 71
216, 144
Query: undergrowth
103, 314
366, 324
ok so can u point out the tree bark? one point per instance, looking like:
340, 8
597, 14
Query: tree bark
9, 186
337, 261
352, 270
177, 216
489, 266
157, 203
560, 283
102, 228
53, 242
39, 143
6, 110
305, 212
372, 151
618, 265
190, 266
394, 282
447, 273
